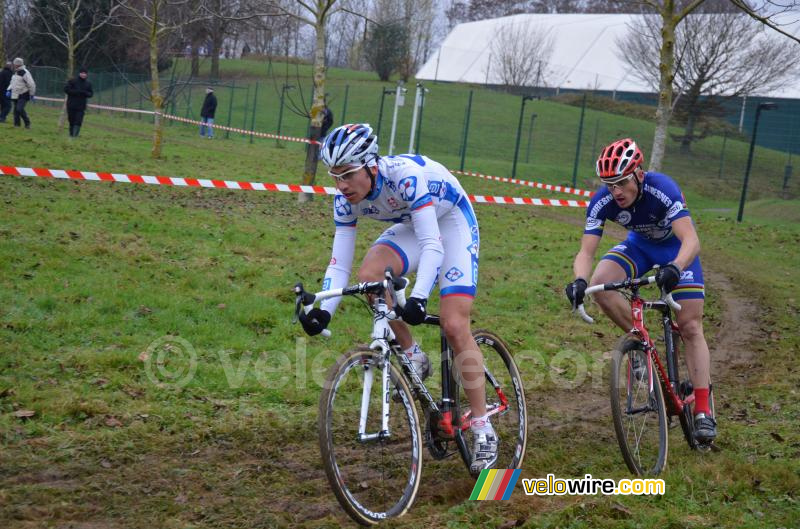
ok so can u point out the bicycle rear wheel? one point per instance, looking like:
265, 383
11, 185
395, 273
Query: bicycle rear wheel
503, 389
376, 479
684, 391
640, 417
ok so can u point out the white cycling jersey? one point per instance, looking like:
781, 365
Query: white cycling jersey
434, 228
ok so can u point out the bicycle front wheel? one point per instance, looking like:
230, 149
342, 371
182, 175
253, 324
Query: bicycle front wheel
376, 477
640, 417
505, 403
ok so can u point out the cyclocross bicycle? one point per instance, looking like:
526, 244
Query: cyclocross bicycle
370, 433
639, 382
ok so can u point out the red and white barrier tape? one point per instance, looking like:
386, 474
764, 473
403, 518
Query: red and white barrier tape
549, 187
192, 121
163, 180
242, 131
101, 107
250, 186
539, 185
529, 201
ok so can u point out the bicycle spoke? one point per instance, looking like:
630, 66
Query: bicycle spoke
638, 410
376, 477
509, 423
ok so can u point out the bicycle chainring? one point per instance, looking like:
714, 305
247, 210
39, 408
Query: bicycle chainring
437, 447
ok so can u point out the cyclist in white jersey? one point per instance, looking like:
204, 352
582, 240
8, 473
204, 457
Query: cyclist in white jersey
433, 232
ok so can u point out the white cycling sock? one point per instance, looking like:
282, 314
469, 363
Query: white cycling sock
482, 425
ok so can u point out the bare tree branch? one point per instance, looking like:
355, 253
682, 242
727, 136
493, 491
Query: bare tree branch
718, 56
291, 14
767, 20
521, 54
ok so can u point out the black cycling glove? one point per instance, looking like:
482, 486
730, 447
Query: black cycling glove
315, 321
576, 291
668, 277
415, 310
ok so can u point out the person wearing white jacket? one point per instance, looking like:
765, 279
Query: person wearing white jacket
23, 89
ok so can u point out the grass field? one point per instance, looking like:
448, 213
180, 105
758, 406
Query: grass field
96, 278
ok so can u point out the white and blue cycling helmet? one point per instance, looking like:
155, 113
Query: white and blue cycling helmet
352, 144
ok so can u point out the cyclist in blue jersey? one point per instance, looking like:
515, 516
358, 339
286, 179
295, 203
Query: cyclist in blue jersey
651, 206
433, 232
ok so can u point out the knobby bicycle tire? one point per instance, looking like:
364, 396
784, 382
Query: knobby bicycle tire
635, 441
684, 389
510, 425
372, 480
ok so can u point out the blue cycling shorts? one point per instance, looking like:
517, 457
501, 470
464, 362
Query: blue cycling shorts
637, 256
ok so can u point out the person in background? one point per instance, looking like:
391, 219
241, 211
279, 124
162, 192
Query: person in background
23, 90
327, 121
207, 113
5, 92
78, 90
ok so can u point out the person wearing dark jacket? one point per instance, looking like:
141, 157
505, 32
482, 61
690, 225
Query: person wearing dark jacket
78, 90
327, 121
5, 92
207, 113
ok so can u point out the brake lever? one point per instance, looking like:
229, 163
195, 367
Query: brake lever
298, 291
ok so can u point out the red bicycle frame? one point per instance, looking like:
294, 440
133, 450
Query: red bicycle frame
638, 306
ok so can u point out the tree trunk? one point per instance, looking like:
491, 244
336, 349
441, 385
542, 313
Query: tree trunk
2, 27
195, 60
666, 67
688, 133
155, 91
694, 110
215, 59
316, 108
216, 43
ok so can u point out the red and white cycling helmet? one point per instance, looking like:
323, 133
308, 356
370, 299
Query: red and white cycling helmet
619, 160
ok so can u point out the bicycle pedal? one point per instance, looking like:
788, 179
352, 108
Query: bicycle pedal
708, 447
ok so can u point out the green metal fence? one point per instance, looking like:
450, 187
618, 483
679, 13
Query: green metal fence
474, 128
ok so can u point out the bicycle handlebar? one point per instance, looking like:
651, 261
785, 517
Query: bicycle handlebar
628, 283
305, 300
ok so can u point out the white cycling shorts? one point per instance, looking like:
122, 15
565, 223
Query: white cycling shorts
458, 275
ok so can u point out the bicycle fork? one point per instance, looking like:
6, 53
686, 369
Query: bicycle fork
369, 379
381, 334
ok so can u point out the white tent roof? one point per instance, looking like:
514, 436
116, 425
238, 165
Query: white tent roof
584, 53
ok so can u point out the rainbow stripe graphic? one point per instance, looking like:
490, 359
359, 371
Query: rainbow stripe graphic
495, 484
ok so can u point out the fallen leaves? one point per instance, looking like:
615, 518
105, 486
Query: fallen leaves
112, 422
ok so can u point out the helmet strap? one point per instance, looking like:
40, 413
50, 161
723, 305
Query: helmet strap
639, 188
372, 174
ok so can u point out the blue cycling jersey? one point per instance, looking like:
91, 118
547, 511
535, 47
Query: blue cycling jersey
650, 218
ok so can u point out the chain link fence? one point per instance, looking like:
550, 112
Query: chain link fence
550, 137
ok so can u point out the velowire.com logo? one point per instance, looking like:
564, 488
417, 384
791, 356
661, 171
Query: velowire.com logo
495, 484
